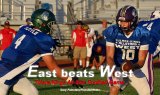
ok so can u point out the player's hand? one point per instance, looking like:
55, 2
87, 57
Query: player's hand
57, 43
72, 46
70, 53
127, 66
75, 79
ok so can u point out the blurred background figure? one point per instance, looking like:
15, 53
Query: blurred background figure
70, 52
102, 28
28, 21
78, 40
6, 36
90, 42
100, 38
98, 55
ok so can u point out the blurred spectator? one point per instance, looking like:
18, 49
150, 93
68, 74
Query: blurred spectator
90, 42
78, 41
102, 28
98, 55
28, 21
100, 38
6, 36
70, 52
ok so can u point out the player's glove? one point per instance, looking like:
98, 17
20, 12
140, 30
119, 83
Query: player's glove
74, 82
74, 79
70, 53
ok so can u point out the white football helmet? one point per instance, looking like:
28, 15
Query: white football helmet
155, 14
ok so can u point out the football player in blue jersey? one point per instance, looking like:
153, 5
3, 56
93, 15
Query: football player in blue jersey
30, 44
127, 44
153, 25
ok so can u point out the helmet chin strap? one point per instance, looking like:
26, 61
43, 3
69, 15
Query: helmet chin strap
128, 31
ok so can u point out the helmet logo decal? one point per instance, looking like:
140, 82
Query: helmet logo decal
45, 15
39, 21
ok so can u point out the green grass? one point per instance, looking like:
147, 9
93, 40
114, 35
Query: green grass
55, 90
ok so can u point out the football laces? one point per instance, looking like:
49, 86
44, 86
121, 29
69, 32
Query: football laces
123, 65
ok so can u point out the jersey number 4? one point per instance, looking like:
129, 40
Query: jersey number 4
19, 40
148, 25
128, 54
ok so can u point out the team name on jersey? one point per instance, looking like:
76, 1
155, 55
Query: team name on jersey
33, 31
127, 44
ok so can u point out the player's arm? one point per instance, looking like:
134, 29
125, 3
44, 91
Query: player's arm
155, 45
46, 53
103, 55
109, 35
52, 65
102, 60
110, 50
141, 59
142, 54
156, 53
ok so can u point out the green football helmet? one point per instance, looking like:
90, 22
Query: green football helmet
43, 19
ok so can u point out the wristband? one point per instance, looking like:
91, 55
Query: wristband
136, 66
69, 79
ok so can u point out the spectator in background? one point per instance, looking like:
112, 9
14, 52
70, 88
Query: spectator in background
98, 55
28, 21
100, 38
102, 28
90, 43
6, 36
78, 41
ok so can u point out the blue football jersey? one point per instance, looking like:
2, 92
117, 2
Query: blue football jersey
154, 28
27, 43
126, 46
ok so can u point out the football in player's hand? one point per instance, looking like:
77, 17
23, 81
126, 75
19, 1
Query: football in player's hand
126, 66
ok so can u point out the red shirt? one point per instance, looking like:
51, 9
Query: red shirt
6, 37
79, 37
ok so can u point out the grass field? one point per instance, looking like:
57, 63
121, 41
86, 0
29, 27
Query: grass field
102, 89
